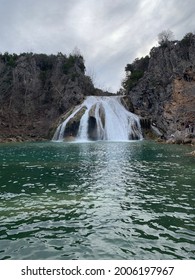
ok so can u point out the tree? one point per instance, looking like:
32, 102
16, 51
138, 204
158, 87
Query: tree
92, 75
78, 58
76, 52
164, 37
187, 39
134, 72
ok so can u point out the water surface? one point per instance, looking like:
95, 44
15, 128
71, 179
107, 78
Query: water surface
98, 200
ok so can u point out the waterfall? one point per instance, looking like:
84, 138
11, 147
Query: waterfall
100, 118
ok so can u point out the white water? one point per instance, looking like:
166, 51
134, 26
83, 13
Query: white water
113, 121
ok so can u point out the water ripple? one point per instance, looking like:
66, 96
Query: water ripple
96, 201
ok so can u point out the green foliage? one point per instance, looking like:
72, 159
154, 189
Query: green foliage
187, 40
76, 53
72, 65
82, 66
44, 62
185, 44
69, 63
138, 64
9, 59
134, 72
132, 80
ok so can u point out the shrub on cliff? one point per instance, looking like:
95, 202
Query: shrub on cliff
71, 61
44, 62
9, 59
187, 40
164, 37
68, 64
185, 45
134, 72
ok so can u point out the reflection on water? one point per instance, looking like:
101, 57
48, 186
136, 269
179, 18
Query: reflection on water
102, 200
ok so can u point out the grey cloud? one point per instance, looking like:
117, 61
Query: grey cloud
109, 33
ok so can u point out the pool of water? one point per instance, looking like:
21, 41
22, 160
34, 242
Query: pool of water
97, 200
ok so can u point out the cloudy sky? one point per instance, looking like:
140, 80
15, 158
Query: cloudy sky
109, 33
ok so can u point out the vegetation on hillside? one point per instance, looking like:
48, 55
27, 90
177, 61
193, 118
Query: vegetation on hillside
135, 71
46, 62
164, 37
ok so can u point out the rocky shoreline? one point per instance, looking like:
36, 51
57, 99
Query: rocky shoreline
186, 140
20, 139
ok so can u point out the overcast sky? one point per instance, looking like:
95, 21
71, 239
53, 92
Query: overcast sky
109, 33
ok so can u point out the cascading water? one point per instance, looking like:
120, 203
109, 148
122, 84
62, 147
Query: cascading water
100, 118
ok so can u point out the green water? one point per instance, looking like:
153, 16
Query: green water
100, 200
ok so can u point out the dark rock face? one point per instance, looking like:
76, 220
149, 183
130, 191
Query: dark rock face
126, 102
165, 94
92, 122
72, 126
92, 128
35, 89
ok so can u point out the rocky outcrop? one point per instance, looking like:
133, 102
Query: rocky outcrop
92, 122
165, 92
126, 102
36, 89
72, 126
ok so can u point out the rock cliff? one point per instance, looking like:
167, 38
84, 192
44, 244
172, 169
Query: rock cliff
35, 89
162, 87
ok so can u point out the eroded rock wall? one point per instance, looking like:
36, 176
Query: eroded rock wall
35, 89
166, 92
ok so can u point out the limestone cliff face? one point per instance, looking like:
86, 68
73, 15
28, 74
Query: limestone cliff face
166, 91
35, 89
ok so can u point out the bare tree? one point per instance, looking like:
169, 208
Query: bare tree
165, 36
92, 75
76, 52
